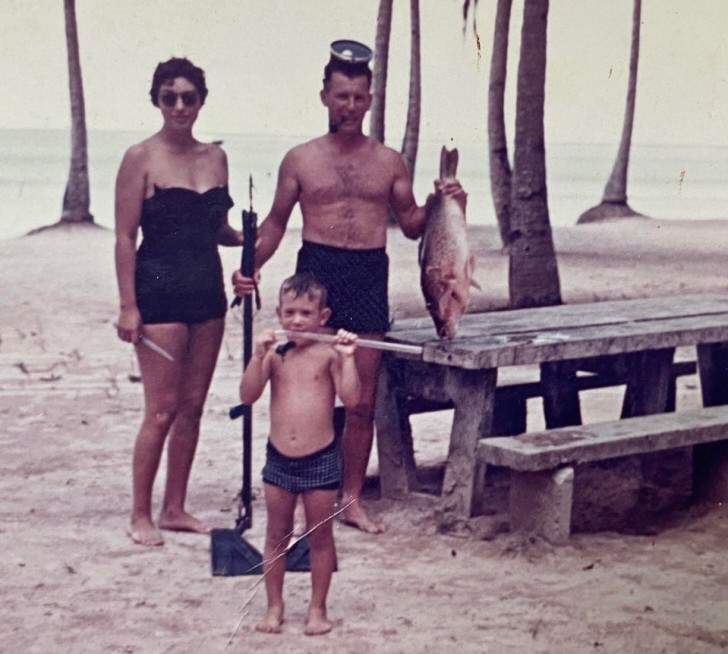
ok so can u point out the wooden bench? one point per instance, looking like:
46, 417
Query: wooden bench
542, 463
511, 396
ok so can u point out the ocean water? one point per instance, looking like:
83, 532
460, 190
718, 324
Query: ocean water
671, 182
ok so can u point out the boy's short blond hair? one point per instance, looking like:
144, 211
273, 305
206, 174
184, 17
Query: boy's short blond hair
304, 284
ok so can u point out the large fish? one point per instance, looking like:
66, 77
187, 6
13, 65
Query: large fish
446, 263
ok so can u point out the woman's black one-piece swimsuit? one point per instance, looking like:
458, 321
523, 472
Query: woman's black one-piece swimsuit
178, 269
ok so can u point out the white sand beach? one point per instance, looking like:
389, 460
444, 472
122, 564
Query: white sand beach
72, 580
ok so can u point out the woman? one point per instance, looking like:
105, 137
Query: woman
171, 290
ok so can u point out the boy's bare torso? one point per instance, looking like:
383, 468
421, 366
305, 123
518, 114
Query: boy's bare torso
302, 399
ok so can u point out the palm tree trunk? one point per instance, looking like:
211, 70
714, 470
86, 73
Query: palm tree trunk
500, 167
616, 188
379, 73
614, 200
412, 128
76, 199
533, 272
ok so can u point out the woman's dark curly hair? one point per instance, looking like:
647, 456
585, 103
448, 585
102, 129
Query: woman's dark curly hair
178, 67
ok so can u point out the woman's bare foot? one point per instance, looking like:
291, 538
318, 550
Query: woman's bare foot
182, 522
272, 622
354, 515
143, 532
317, 623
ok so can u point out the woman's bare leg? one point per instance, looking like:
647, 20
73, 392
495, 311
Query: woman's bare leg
198, 367
279, 505
320, 534
160, 378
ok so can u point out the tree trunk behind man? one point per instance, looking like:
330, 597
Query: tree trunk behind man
412, 128
500, 167
379, 72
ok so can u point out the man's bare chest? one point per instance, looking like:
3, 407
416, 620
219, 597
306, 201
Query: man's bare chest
335, 181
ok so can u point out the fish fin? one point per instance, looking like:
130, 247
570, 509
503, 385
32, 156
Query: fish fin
453, 163
475, 284
448, 163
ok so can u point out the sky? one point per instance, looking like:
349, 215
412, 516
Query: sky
263, 61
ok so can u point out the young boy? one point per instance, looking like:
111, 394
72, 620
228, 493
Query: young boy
301, 457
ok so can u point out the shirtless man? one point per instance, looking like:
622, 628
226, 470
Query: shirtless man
345, 183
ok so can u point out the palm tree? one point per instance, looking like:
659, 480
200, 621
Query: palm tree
379, 74
500, 167
76, 199
614, 201
412, 128
533, 276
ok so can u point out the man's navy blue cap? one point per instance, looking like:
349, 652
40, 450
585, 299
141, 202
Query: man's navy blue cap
351, 52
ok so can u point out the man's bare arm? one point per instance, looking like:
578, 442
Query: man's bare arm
273, 228
410, 217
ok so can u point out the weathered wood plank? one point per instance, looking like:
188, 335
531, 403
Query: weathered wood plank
495, 323
596, 442
577, 342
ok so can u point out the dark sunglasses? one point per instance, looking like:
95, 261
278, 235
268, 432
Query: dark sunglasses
169, 98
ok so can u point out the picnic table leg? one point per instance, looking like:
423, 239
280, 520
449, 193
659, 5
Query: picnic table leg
509, 415
648, 382
711, 460
397, 470
667, 476
560, 396
713, 367
472, 393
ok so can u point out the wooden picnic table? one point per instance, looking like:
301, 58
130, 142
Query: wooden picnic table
637, 337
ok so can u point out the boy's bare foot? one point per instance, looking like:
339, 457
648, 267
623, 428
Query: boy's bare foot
143, 532
272, 622
316, 623
182, 522
354, 515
